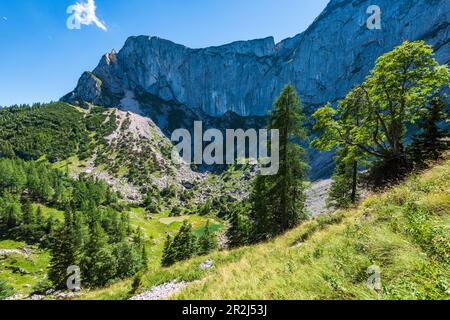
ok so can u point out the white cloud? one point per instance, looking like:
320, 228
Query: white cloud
84, 14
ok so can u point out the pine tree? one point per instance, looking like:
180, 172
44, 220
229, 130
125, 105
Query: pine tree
39, 219
28, 213
98, 264
263, 218
168, 255
207, 241
144, 258
13, 214
182, 247
285, 195
184, 243
64, 252
239, 232
432, 141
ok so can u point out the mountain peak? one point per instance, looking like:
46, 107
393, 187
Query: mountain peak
246, 76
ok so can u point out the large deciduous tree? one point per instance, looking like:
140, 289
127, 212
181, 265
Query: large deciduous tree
374, 116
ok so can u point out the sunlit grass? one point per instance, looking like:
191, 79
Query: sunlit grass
404, 231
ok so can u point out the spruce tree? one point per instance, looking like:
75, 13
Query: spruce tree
5, 290
184, 243
239, 232
28, 212
182, 247
168, 257
98, 264
207, 241
144, 258
285, 195
64, 252
263, 218
432, 141
39, 218
13, 214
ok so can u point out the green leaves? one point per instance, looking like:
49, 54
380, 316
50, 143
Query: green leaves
373, 116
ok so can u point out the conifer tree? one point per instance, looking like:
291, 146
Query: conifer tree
98, 264
432, 140
168, 256
182, 247
28, 212
5, 290
263, 218
13, 214
239, 232
207, 241
39, 218
285, 195
144, 258
64, 252
184, 243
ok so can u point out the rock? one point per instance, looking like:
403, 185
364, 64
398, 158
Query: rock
161, 292
245, 76
27, 251
188, 185
22, 271
66, 295
16, 297
8, 252
208, 264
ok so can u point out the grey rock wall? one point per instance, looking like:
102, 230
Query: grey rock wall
335, 53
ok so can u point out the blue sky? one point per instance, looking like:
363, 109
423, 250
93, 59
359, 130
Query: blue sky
41, 59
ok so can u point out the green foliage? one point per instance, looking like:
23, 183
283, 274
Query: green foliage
263, 218
168, 257
54, 130
65, 251
240, 231
277, 201
186, 244
207, 242
5, 290
432, 141
42, 286
98, 264
371, 121
94, 235
344, 191
137, 283
182, 247
285, 191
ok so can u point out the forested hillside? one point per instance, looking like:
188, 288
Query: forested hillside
95, 191
401, 235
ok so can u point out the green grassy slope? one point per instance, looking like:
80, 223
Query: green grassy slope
404, 231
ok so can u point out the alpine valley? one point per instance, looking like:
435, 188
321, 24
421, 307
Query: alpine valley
90, 178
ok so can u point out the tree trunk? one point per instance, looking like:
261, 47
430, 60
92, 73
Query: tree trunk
354, 181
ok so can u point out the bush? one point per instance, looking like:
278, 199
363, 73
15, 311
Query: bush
137, 283
42, 286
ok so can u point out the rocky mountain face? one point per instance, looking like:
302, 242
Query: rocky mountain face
336, 52
234, 86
